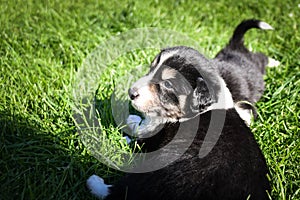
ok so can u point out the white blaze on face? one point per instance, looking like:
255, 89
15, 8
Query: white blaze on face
164, 56
146, 97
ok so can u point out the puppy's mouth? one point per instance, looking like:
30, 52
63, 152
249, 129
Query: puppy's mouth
147, 108
158, 111
144, 109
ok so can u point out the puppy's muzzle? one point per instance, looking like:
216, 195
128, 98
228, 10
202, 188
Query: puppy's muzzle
133, 93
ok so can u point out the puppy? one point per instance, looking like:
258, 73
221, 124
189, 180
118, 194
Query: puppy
185, 89
239, 70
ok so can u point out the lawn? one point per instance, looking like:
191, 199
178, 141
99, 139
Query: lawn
43, 44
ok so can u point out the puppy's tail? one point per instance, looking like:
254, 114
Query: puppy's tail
237, 39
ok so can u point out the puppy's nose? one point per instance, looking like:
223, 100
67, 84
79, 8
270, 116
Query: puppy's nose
132, 92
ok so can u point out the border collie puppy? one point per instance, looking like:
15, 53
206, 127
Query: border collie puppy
186, 94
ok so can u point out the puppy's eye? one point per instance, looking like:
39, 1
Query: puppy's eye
167, 84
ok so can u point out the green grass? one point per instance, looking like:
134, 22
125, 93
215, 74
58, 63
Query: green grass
44, 43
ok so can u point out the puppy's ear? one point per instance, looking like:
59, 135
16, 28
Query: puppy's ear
202, 96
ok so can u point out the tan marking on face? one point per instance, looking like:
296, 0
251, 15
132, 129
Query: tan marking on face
168, 74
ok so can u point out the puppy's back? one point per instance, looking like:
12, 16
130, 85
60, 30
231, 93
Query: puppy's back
241, 69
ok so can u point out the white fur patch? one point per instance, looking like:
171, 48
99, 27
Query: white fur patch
225, 100
97, 186
145, 99
163, 58
265, 26
245, 114
273, 63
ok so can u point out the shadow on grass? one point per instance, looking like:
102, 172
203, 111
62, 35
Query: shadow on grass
36, 164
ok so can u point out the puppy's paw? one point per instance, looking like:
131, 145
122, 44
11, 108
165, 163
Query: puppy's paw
97, 186
133, 122
273, 63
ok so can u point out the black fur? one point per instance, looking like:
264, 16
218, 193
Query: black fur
201, 75
202, 95
234, 169
241, 69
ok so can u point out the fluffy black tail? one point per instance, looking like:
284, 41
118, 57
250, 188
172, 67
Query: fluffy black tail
237, 39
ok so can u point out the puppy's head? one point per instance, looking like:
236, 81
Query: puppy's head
180, 84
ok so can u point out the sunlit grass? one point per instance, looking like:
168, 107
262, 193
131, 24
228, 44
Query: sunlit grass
44, 43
